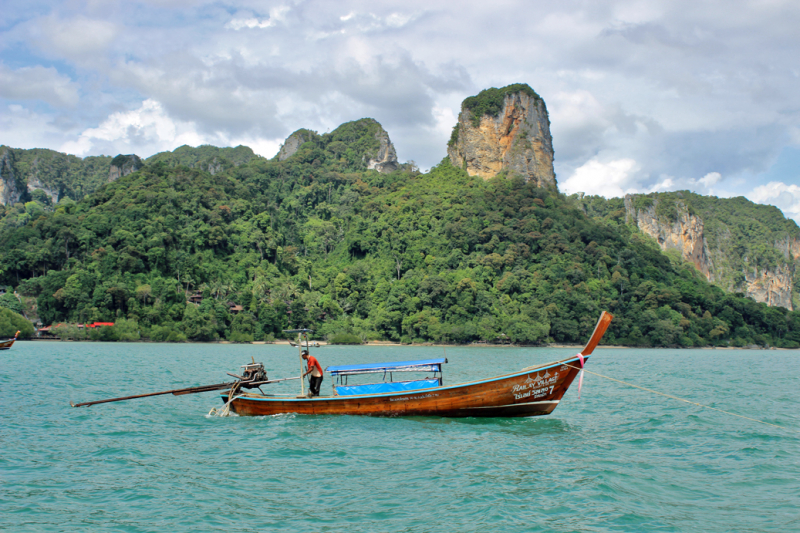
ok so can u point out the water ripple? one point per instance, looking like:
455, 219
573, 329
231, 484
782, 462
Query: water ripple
619, 459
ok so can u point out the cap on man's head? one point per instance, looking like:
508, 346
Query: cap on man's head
304, 352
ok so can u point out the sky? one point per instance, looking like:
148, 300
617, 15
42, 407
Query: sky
642, 95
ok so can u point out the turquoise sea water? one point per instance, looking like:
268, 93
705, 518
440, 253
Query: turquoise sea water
618, 459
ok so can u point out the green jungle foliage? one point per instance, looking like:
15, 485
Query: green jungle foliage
66, 175
345, 338
11, 322
454, 135
9, 301
318, 241
206, 157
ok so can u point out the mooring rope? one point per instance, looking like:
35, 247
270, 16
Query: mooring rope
675, 397
225, 411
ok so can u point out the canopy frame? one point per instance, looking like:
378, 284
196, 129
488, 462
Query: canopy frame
301, 334
342, 372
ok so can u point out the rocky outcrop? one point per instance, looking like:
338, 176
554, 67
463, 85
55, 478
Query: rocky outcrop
294, 142
366, 137
684, 234
789, 247
10, 191
772, 286
504, 129
386, 159
35, 184
122, 165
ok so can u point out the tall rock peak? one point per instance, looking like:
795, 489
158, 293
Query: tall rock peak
504, 129
361, 143
122, 165
385, 159
293, 143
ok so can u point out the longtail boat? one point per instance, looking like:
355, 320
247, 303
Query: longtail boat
532, 391
6, 344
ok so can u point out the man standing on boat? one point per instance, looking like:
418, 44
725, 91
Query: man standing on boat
315, 369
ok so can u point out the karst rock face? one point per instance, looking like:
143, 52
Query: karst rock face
10, 190
504, 129
686, 234
294, 142
385, 160
364, 139
122, 165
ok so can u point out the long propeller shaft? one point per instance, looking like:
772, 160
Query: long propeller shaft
176, 392
187, 390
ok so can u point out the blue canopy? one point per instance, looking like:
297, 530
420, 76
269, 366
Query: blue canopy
425, 365
379, 388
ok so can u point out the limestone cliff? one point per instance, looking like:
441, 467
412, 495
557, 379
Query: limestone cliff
684, 233
673, 223
293, 142
14, 185
34, 183
9, 187
789, 247
504, 129
22, 172
361, 143
386, 159
122, 165
771, 286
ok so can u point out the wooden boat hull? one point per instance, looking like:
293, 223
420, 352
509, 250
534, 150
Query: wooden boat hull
5, 345
529, 392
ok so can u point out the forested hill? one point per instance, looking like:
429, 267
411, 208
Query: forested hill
739, 245
318, 240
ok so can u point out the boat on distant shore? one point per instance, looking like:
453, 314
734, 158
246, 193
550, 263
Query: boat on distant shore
532, 391
8, 343
307, 345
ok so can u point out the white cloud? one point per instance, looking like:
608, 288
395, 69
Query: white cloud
264, 147
276, 15
398, 20
697, 95
79, 39
609, 179
666, 184
785, 197
143, 131
445, 119
23, 128
710, 179
239, 24
371, 22
149, 129
38, 83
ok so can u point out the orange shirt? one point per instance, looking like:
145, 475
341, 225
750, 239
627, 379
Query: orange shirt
314, 366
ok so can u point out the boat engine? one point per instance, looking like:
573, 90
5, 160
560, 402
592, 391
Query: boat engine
253, 375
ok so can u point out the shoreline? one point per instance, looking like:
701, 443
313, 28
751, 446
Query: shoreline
432, 345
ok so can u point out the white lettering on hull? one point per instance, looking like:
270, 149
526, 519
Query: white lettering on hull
535, 387
407, 398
